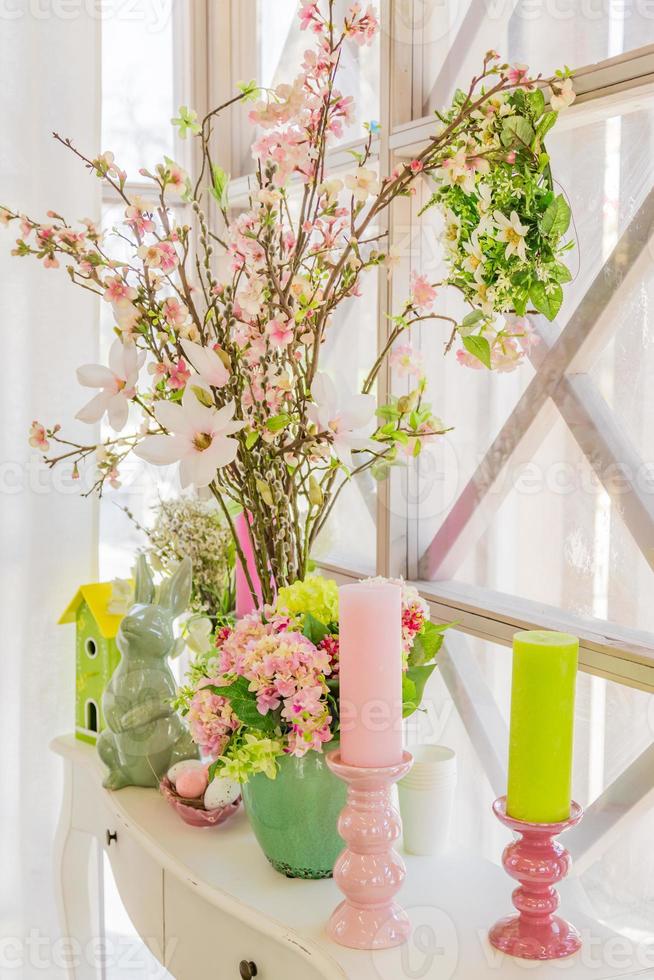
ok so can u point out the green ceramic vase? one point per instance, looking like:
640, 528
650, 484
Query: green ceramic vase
294, 816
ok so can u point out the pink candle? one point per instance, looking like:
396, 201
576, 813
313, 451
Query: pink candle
370, 615
245, 602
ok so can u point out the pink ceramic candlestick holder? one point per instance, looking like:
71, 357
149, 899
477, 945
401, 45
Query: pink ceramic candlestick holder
369, 871
539, 863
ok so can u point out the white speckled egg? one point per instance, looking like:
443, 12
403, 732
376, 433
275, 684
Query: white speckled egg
175, 770
221, 792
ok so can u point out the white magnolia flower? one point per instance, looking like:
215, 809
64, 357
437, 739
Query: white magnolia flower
197, 634
118, 384
341, 414
207, 363
562, 95
513, 233
199, 439
362, 183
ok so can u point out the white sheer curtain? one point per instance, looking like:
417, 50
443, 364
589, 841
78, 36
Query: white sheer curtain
49, 80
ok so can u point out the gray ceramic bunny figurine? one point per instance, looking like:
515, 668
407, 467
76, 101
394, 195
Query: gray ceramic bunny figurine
145, 736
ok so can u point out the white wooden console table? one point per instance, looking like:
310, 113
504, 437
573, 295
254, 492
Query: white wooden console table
208, 905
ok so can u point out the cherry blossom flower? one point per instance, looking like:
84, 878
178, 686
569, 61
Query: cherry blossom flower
361, 27
513, 233
363, 183
309, 16
175, 178
341, 415
178, 375
423, 294
176, 313
280, 332
207, 363
457, 171
407, 361
161, 255
117, 383
199, 441
518, 75
562, 95
116, 290
136, 215
38, 438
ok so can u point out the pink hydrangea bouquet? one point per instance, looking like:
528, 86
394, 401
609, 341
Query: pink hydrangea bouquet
270, 685
221, 322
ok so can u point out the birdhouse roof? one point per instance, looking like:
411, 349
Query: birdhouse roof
97, 596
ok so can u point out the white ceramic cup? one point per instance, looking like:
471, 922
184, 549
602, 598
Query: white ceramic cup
426, 797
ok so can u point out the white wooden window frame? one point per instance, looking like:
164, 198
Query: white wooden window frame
618, 85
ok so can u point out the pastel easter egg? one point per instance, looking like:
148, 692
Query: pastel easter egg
191, 783
175, 770
221, 792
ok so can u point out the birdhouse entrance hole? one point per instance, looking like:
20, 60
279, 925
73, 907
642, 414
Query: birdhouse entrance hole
91, 647
91, 716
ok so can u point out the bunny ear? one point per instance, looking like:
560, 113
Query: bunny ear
176, 590
144, 589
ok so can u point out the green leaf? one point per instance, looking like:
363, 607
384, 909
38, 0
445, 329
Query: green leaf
220, 184
202, 396
313, 629
520, 298
517, 129
278, 422
251, 439
556, 219
479, 348
413, 687
426, 644
536, 101
560, 272
244, 705
546, 124
546, 299
470, 321
388, 412
249, 90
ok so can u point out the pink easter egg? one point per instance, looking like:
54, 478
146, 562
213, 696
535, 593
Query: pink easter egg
192, 783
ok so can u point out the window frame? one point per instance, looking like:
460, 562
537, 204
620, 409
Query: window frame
621, 83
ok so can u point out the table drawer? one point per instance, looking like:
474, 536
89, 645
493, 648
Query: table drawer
204, 941
139, 880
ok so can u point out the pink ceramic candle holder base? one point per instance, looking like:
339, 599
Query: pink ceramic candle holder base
539, 863
369, 871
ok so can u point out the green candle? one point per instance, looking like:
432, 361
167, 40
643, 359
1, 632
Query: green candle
542, 723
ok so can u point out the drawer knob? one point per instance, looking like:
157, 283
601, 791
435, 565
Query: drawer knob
111, 836
248, 970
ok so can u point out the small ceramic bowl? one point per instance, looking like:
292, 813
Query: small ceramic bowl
192, 812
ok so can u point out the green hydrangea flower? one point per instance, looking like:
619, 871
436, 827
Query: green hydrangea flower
250, 756
315, 595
